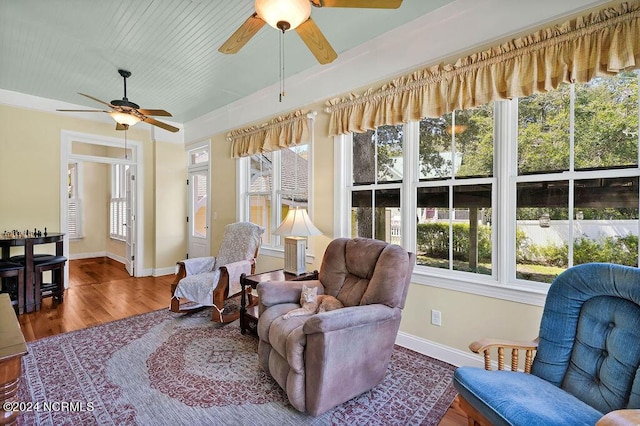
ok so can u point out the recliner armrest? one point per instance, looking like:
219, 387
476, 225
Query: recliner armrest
277, 292
352, 316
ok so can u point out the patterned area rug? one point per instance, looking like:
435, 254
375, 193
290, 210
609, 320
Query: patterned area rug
163, 368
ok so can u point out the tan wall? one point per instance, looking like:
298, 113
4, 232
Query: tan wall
170, 204
223, 189
30, 172
116, 248
95, 209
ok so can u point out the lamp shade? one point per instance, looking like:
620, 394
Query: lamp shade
124, 118
293, 12
297, 224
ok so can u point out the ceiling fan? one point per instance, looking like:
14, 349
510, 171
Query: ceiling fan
295, 14
127, 113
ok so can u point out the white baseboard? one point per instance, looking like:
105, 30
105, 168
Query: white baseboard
117, 258
170, 270
76, 256
436, 350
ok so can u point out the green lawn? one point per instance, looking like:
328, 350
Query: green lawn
539, 273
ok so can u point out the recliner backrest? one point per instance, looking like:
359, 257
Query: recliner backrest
590, 335
362, 271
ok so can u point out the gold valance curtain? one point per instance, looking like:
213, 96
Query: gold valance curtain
601, 43
279, 133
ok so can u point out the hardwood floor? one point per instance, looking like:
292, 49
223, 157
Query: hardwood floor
100, 290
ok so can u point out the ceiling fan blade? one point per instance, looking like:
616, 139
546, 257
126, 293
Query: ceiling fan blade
242, 35
82, 110
316, 42
96, 99
156, 112
365, 4
160, 124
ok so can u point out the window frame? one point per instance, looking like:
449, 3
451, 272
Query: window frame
118, 200
502, 284
75, 199
276, 248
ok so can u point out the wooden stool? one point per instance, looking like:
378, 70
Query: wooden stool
55, 264
9, 270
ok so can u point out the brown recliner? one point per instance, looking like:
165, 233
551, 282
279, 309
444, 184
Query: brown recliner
325, 359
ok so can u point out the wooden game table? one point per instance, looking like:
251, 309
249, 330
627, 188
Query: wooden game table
6, 242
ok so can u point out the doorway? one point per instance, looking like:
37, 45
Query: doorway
198, 208
80, 147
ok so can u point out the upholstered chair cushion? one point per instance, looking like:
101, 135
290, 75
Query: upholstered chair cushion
517, 398
357, 271
239, 242
588, 358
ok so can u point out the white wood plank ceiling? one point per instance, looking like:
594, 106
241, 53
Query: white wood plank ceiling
56, 48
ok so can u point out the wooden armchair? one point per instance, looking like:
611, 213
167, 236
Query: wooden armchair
586, 368
209, 281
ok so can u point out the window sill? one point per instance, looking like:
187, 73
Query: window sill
481, 286
278, 252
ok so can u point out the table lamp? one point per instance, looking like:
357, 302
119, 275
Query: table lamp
296, 227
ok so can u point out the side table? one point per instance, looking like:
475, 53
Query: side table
12, 349
249, 315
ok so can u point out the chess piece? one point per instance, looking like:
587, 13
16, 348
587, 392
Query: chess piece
45, 231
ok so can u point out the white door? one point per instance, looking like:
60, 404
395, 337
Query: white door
198, 219
130, 191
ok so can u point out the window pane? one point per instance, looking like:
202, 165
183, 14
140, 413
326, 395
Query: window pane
361, 214
293, 178
199, 198
382, 223
606, 225
260, 214
606, 122
72, 180
473, 133
542, 228
388, 223
543, 132
260, 172
471, 228
199, 156
389, 153
432, 234
364, 158
435, 160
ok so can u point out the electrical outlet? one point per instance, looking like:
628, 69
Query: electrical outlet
436, 317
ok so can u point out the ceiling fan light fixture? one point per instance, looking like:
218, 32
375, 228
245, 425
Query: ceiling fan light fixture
124, 118
277, 12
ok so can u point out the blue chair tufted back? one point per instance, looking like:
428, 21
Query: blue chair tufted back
590, 335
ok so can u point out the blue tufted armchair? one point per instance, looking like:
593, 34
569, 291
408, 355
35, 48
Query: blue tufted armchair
587, 359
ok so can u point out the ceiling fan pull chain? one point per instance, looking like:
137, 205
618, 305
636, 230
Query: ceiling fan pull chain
281, 95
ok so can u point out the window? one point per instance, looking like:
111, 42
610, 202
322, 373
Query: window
74, 205
577, 185
275, 181
454, 191
377, 174
118, 202
508, 194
